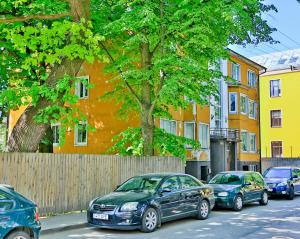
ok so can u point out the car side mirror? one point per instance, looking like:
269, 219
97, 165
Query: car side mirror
247, 184
295, 176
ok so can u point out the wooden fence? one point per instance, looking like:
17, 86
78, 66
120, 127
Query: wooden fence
61, 183
275, 162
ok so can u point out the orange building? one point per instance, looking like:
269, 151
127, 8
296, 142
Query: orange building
219, 127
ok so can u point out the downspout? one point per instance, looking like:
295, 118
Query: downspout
260, 143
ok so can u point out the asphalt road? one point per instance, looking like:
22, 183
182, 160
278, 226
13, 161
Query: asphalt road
280, 219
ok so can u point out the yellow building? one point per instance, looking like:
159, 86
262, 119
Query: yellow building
280, 117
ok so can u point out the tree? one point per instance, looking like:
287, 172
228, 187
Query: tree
159, 52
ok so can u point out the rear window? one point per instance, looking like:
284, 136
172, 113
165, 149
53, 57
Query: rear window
278, 173
6, 202
229, 179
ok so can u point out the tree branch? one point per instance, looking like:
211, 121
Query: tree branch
128, 86
37, 17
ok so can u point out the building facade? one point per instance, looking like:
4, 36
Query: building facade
227, 129
280, 117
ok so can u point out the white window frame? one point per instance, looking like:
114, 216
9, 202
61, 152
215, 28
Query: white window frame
236, 75
166, 120
85, 88
56, 125
189, 122
236, 102
247, 141
254, 83
254, 104
208, 135
255, 143
246, 104
279, 85
76, 134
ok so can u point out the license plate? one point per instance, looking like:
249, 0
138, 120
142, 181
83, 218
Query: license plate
100, 216
270, 189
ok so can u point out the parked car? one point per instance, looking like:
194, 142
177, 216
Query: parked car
283, 181
233, 189
18, 215
144, 202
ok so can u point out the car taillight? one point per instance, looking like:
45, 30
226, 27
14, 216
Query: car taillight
36, 214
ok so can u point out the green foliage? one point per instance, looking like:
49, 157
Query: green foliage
130, 142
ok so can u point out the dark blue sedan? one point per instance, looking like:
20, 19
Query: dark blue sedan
144, 202
284, 181
18, 216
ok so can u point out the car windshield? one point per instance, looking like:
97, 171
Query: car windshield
227, 178
278, 173
146, 184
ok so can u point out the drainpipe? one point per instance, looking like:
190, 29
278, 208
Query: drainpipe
260, 144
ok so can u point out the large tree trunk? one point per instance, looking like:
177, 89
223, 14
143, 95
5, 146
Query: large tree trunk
27, 133
147, 120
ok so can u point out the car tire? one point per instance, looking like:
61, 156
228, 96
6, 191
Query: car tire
291, 193
264, 199
238, 203
203, 210
18, 235
150, 220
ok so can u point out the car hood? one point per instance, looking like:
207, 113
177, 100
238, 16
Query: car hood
224, 187
117, 198
275, 180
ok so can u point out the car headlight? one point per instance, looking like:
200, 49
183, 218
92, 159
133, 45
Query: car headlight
282, 184
92, 202
129, 206
223, 194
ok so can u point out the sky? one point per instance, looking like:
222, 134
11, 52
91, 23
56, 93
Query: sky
287, 22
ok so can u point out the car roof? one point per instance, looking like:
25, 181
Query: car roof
237, 172
285, 167
163, 174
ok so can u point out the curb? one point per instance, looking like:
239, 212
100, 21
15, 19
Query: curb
64, 228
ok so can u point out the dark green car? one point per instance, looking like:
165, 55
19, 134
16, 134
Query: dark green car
233, 189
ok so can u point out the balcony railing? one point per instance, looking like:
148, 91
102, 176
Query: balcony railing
222, 133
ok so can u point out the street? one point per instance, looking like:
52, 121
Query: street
279, 219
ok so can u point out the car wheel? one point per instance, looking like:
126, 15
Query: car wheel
264, 198
291, 193
18, 235
238, 203
150, 220
203, 210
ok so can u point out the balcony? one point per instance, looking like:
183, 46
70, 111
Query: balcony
225, 134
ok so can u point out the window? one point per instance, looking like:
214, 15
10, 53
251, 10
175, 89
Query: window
56, 134
81, 134
171, 183
188, 182
248, 178
276, 148
244, 104
252, 145
257, 178
275, 88
204, 136
81, 89
233, 103
170, 126
276, 118
252, 77
244, 139
6, 203
189, 131
236, 72
252, 109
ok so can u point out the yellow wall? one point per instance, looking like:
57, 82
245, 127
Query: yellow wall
288, 102
240, 121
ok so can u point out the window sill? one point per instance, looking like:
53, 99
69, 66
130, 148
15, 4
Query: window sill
276, 127
80, 145
83, 98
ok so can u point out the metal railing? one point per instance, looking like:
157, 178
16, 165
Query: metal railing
223, 133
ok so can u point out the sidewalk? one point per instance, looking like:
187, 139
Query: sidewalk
63, 222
